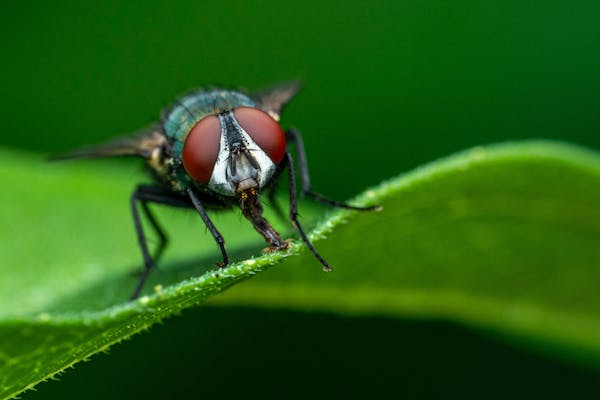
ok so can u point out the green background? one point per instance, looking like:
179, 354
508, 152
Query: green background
388, 86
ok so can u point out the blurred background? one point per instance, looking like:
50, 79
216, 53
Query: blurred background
389, 85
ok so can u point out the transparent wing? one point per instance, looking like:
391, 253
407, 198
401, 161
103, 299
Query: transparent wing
141, 144
273, 99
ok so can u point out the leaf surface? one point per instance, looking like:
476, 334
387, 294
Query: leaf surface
504, 237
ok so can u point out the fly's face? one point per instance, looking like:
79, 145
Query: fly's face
234, 151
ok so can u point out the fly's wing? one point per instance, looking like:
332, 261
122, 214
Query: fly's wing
142, 144
273, 99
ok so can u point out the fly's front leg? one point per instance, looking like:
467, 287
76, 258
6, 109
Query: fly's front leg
211, 227
293, 135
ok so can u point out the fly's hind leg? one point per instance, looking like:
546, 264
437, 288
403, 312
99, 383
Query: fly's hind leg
145, 194
272, 193
163, 239
287, 162
293, 135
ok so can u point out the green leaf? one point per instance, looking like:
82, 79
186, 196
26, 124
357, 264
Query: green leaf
504, 237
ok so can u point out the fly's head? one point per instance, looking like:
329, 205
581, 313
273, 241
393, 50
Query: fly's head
235, 151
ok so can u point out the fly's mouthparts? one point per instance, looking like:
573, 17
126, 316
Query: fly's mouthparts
246, 184
244, 169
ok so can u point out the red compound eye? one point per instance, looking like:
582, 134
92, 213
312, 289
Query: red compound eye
264, 130
201, 149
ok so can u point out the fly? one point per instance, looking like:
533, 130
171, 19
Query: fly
213, 149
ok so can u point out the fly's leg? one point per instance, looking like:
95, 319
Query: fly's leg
294, 212
214, 232
293, 135
162, 237
273, 191
150, 194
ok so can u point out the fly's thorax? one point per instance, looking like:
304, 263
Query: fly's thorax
158, 162
163, 166
234, 150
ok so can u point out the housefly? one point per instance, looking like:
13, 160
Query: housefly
217, 148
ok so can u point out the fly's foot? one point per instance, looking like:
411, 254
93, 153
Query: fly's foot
222, 264
283, 246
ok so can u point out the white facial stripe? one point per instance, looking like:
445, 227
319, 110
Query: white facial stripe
220, 178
